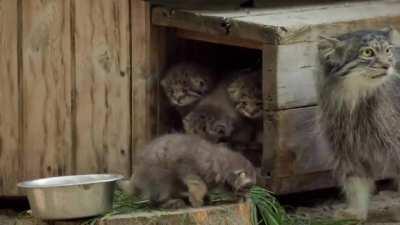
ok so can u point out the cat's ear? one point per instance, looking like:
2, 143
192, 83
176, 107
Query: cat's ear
163, 82
329, 47
393, 34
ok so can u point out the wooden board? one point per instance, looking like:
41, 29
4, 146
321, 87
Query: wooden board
301, 146
102, 61
303, 183
285, 25
9, 98
234, 214
297, 65
149, 57
46, 89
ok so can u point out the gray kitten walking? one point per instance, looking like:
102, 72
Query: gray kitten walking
359, 101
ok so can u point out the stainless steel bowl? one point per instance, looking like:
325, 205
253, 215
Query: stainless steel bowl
70, 197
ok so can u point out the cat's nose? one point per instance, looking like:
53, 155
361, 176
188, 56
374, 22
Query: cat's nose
386, 66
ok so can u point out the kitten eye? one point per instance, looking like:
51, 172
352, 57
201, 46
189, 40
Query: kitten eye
242, 174
389, 51
367, 53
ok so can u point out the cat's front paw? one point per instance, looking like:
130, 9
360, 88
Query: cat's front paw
350, 214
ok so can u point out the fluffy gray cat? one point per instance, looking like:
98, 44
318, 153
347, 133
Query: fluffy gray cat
178, 166
359, 103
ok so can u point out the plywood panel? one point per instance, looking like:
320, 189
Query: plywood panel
102, 86
46, 83
9, 98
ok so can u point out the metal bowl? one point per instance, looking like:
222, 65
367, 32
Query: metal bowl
70, 197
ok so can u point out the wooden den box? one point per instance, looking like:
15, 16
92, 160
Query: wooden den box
294, 158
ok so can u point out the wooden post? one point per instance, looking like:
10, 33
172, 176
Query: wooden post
149, 56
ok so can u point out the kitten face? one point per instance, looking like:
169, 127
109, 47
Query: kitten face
186, 83
246, 93
358, 61
208, 124
243, 179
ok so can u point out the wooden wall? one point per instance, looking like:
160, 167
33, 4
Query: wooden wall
75, 96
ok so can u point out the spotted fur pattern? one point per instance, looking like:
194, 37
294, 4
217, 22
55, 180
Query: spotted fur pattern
245, 91
186, 83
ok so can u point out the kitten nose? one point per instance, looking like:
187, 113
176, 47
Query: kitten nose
385, 66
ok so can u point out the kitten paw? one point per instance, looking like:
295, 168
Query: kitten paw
350, 214
195, 202
173, 204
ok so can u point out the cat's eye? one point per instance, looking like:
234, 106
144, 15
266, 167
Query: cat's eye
389, 51
242, 174
367, 53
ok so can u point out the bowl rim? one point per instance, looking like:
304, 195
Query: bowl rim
31, 184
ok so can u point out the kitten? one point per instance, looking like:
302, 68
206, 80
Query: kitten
209, 122
215, 118
175, 166
186, 83
245, 91
360, 111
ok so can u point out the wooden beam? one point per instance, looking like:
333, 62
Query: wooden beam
149, 57
225, 40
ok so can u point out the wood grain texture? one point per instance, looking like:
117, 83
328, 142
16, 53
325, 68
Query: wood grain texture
149, 57
270, 122
297, 66
302, 148
234, 214
46, 87
284, 25
102, 40
9, 99
225, 40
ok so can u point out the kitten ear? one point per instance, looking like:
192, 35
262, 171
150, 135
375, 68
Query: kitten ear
394, 35
328, 46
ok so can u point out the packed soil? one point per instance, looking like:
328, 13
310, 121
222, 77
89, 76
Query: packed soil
384, 208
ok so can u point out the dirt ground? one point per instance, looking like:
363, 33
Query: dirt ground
384, 209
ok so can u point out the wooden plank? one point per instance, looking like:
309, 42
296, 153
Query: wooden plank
301, 146
235, 214
212, 25
284, 25
302, 183
9, 98
297, 67
225, 40
46, 83
271, 126
306, 25
149, 57
102, 40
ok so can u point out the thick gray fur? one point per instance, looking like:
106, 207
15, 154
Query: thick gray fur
359, 100
166, 164
222, 119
